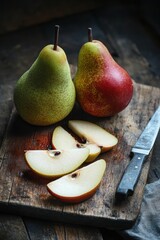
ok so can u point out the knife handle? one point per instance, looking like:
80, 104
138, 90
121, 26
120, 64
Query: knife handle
130, 177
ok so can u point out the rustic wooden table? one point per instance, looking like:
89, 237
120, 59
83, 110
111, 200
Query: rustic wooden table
133, 40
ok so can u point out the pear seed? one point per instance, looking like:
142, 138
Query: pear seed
54, 153
74, 175
78, 145
57, 153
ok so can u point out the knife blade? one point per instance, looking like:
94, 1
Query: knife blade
140, 152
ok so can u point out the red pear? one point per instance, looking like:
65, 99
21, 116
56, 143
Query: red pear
103, 87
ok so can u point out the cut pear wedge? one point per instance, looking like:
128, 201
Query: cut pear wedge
80, 184
55, 163
93, 133
61, 139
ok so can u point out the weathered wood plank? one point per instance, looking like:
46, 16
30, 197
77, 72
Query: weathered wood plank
26, 193
15, 227
18, 15
5, 107
12, 227
38, 229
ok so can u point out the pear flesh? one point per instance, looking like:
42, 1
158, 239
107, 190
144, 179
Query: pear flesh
103, 87
80, 184
45, 94
55, 163
61, 139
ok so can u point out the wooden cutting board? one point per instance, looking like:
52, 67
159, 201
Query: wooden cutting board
24, 193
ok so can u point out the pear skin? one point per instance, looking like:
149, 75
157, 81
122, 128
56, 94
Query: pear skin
103, 87
45, 94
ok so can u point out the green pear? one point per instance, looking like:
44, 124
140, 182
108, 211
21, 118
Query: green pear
103, 87
45, 94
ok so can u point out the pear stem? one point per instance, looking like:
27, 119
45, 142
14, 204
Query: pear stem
56, 37
90, 36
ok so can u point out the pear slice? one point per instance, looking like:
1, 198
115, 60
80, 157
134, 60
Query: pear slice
55, 163
61, 139
80, 184
93, 133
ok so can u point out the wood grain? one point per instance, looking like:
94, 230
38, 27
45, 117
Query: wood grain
18, 15
38, 229
14, 227
10, 226
25, 193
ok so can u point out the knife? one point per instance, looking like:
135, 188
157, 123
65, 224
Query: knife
140, 152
